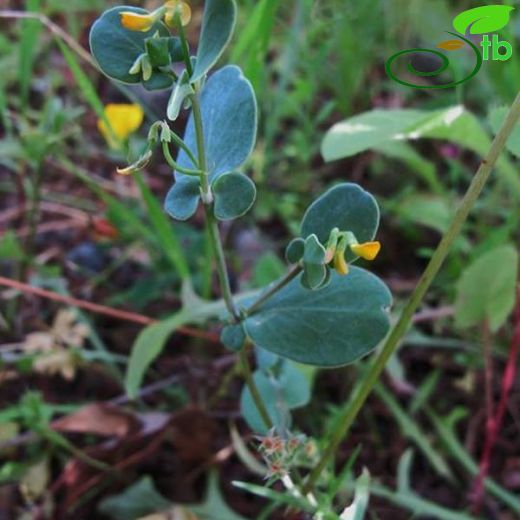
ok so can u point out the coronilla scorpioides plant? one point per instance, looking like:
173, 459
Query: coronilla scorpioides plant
325, 311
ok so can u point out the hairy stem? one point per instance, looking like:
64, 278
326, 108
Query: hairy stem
400, 328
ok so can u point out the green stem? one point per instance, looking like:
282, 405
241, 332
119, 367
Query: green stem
173, 164
181, 144
293, 273
222, 272
255, 394
207, 199
376, 368
184, 44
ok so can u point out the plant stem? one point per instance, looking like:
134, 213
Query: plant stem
207, 200
293, 273
255, 394
184, 44
400, 328
181, 144
201, 151
222, 272
173, 164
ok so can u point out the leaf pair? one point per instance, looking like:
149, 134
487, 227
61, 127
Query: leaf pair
229, 117
118, 50
345, 207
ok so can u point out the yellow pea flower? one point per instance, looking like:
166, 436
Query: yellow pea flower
124, 120
367, 250
136, 21
340, 263
144, 22
174, 6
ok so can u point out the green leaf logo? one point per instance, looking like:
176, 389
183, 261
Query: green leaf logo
485, 19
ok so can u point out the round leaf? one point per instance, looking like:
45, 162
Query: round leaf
182, 199
234, 195
116, 48
229, 116
331, 326
294, 250
233, 337
217, 27
345, 206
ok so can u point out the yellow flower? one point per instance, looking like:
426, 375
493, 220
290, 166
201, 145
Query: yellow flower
340, 263
124, 119
174, 6
368, 250
136, 21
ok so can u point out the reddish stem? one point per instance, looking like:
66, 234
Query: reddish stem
494, 422
100, 309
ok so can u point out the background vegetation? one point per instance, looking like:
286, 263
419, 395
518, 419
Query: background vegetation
71, 226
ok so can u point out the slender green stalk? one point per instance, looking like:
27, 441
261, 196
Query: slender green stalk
366, 385
207, 199
213, 231
201, 151
173, 164
184, 43
255, 394
291, 275
181, 144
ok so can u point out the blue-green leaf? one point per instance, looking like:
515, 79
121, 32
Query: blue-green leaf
331, 326
218, 23
116, 48
182, 199
294, 250
234, 194
345, 206
136, 501
314, 268
233, 337
229, 115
